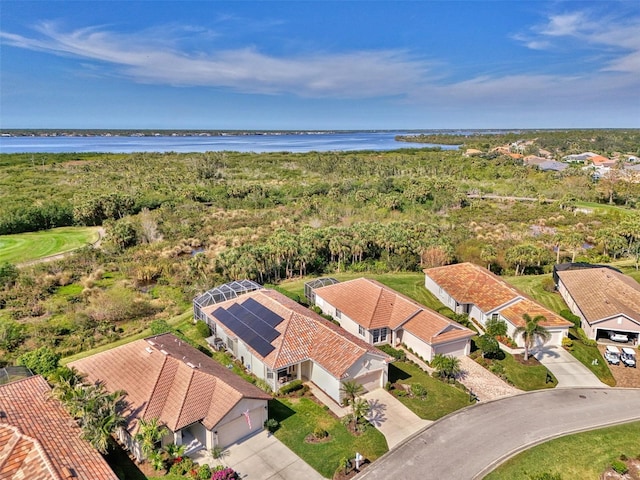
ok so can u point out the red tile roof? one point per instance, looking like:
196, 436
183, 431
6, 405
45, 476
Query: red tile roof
373, 305
304, 335
164, 385
39, 439
469, 283
602, 293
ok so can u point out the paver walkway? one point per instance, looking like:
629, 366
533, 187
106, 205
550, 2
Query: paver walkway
484, 384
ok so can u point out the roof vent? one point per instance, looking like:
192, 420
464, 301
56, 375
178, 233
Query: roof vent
191, 365
149, 350
164, 352
68, 473
3, 415
151, 342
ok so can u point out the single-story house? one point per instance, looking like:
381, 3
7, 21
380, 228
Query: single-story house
202, 403
380, 315
605, 300
279, 341
468, 288
39, 439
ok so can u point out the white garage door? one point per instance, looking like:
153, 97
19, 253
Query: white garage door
370, 381
237, 429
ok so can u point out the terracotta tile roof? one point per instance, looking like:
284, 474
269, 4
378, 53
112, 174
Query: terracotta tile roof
374, 305
303, 335
39, 440
165, 386
469, 283
514, 313
602, 293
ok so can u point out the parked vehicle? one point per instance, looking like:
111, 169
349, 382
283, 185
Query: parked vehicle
618, 337
628, 357
612, 355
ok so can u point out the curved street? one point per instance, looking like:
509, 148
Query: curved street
469, 444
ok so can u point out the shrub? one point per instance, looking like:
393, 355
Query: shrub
203, 329
224, 473
394, 352
320, 433
204, 472
181, 466
496, 327
548, 284
159, 327
619, 466
263, 385
271, 424
567, 342
388, 386
488, 345
419, 390
43, 361
567, 315
291, 387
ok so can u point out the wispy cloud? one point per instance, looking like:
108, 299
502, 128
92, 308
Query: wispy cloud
615, 34
247, 70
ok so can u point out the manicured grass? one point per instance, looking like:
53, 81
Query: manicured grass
526, 377
584, 455
176, 322
24, 247
298, 418
586, 355
410, 284
441, 398
532, 286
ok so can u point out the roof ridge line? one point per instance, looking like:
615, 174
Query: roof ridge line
184, 397
284, 336
155, 386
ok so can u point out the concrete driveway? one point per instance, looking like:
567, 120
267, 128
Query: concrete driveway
470, 443
263, 457
391, 417
566, 368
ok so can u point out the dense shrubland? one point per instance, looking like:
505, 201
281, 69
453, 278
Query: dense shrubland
177, 224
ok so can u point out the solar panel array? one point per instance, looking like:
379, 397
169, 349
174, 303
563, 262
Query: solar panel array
253, 323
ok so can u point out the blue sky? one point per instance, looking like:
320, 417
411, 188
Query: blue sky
319, 64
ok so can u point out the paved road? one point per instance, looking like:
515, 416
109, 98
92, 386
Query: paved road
469, 444
567, 368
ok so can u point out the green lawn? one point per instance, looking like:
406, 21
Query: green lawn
586, 355
441, 398
524, 377
298, 418
580, 456
532, 286
31, 246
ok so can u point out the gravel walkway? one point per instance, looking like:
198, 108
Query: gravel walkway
482, 382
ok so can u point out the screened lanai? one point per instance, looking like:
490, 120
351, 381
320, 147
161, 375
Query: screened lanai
222, 293
311, 285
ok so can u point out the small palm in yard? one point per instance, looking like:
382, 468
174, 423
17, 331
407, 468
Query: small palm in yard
531, 331
351, 390
149, 433
174, 451
447, 366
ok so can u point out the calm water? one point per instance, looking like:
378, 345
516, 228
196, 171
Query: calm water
319, 142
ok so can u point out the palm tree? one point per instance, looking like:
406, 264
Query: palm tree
531, 331
488, 254
351, 390
447, 366
149, 433
174, 451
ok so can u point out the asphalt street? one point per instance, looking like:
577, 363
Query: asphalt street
470, 443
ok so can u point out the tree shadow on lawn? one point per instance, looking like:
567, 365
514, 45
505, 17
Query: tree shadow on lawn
396, 374
121, 464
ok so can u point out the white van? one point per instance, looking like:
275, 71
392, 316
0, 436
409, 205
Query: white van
612, 355
628, 357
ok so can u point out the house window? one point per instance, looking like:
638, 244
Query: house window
269, 374
338, 314
379, 335
361, 330
495, 316
230, 343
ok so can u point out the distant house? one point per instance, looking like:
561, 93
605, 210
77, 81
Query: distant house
39, 440
279, 340
468, 288
202, 403
533, 160
552, 165
600, 161
579, 158
605, 300
472, 152
380, 315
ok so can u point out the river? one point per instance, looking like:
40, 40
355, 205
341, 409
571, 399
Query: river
258, 143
